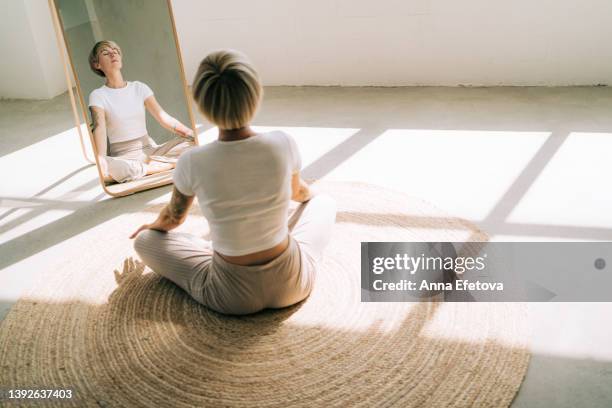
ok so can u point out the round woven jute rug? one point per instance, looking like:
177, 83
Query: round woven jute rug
118, 335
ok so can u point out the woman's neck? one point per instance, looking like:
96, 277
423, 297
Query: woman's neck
115, 79
228, 135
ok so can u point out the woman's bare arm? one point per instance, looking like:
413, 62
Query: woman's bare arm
300, 190
98, 128
165, 120
172, 215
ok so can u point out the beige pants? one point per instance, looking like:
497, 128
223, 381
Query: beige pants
128, 160
190, 262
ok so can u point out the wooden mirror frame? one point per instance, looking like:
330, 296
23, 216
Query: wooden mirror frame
147, 182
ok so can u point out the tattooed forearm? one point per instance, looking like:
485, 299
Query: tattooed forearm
94, 119
176, 210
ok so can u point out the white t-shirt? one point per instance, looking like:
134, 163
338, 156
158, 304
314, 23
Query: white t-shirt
124, 110
243, 188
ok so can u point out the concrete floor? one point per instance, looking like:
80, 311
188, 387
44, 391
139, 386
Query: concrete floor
523, 163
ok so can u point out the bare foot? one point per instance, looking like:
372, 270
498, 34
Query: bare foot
157, 167
131, 268
163, 159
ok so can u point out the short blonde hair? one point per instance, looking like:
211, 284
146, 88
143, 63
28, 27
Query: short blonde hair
93, 55
227, 89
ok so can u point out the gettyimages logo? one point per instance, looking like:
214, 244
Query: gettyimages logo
427, 263
491, 271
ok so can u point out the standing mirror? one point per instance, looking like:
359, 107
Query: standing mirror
131, 87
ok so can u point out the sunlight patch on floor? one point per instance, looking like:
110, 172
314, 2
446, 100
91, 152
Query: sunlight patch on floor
570, 191
41, 164
379, 318
460, 170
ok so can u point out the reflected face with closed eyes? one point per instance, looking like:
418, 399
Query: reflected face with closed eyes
105, 57
109, 59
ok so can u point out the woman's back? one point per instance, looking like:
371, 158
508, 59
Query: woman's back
244, 182
243, 188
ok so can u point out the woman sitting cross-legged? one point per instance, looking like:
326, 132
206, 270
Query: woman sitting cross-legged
124, 148
244, 180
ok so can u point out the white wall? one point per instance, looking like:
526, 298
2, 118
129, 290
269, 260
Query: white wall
31, 65
354, 42
406, 42
45, 39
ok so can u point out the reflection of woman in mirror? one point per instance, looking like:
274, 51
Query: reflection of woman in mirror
259, 257
118, 115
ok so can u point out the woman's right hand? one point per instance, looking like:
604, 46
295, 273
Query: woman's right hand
300, 190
